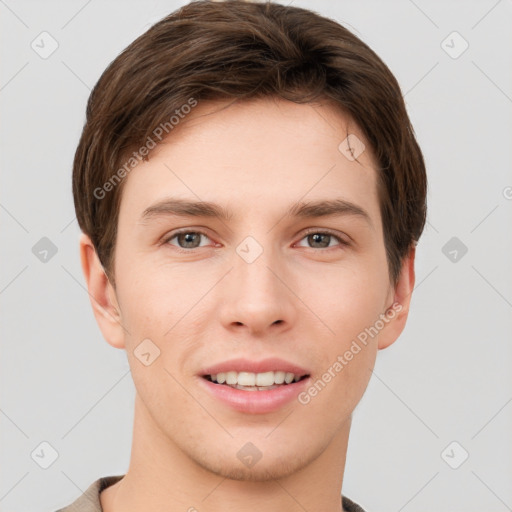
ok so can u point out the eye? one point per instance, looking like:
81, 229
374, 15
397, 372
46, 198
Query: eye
186, 239
323, 239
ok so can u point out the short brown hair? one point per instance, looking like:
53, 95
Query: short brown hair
242, 50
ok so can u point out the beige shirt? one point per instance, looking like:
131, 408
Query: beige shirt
89, 501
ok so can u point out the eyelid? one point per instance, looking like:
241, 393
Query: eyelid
327, 231
166, 239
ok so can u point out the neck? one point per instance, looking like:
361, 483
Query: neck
162, 477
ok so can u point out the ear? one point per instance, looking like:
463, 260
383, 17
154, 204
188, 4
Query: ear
102, 294
399, 301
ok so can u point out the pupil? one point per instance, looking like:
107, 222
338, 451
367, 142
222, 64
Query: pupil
188, 239
317, 239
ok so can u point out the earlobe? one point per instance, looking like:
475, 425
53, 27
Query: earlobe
398, 311
102, 294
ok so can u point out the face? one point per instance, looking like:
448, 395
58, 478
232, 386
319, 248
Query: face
272, 279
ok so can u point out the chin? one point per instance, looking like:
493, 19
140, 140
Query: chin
261, 471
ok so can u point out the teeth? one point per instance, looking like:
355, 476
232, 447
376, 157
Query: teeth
254, 379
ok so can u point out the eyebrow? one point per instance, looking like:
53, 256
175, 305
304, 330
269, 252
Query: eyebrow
312, 209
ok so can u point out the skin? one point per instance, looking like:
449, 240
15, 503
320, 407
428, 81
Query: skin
210, 305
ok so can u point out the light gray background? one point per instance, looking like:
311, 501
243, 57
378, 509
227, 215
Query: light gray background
446, 379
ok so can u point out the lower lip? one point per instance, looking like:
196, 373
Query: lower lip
255, 402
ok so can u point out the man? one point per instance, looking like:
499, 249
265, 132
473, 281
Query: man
250, 193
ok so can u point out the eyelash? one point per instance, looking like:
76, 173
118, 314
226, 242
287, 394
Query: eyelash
342, 243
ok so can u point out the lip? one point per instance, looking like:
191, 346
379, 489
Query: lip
245, 365
255, 402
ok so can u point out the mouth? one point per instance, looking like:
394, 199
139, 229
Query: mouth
252, 386
249, 381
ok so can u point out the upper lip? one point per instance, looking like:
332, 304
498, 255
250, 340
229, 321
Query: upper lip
245, 365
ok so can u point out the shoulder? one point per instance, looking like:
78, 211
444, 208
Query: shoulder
89, 501
350, 506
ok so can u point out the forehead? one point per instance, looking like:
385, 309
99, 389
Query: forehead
318, 123
263, 153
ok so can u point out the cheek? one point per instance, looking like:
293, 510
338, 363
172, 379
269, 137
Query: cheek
152, 299
346, 356
352, 299
350, 308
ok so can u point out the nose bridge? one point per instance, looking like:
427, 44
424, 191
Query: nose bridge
252, 270
257, 298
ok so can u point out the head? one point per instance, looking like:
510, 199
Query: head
296, 132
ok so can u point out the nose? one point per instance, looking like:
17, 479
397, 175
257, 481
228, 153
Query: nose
256, 296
